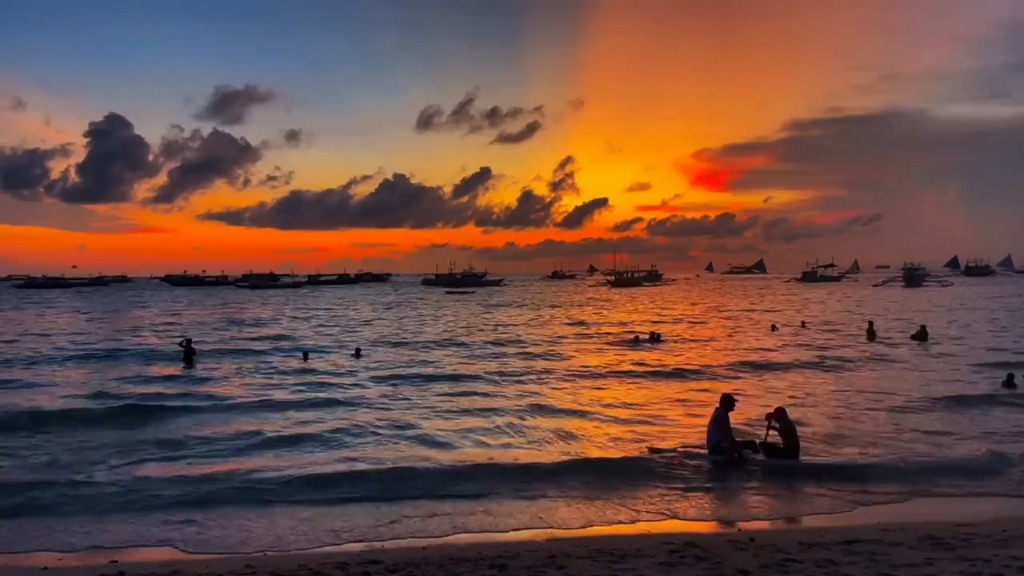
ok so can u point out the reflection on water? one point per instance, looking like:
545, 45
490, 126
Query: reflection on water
528, 401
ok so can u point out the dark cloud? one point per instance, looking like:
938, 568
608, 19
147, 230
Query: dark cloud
24, 171
626, 225
767, 199
203, 160
531, 210
580, 215
784, 229
276, 178
563, 178
474, 184
465, 117
519, 136
116, 160
293, 137
576, 104
639, 187
724, 225
18, 104
230, 106
396, 202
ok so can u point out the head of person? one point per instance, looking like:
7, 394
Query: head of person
636, 338
727, 402
1010, 377
871, 324
358, 352
780, 414
305, 356
652, 334
923, 328
803, 324
188, 341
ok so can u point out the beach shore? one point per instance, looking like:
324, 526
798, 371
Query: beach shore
990, 547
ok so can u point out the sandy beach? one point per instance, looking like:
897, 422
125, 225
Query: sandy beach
987, 547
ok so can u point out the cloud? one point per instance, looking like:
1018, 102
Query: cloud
24, 171
626, 225
784, 229
116, 160
17, 104
293, 137
666, 206
474, 184
639, 187
519, 136
531, 210
580, 215
204, 160
724, 225
276, 178
585, 248
563, 177
228, 105
465, 117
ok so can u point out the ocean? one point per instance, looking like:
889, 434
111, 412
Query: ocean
518, 407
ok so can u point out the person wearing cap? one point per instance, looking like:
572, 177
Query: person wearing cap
779, 421
720, 440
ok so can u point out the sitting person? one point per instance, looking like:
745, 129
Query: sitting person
779, 421
720, 442
921, 335
1010, 382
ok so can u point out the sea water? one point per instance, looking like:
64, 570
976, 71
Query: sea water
524, 406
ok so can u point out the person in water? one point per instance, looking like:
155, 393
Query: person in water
305, 356
872, 335
1010, 383
921, 335
803, 324
654, 336
636, 339
779, 421
188, 353
720, 440
358, 353
775, 328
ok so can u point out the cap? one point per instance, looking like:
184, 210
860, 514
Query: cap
726, 397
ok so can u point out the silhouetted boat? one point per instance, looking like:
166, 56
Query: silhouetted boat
978, 269
634, 277
710, 268
914, 275
14, 278
1007, 264
561, 275
758, 267
882, 267
280, 283
468, 278
116, 279
342, 279
854, 268
196, 280
820, 274
372, 276
591, 270
59, 283
260, 277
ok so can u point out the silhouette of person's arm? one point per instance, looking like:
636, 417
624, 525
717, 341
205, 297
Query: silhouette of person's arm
181, 344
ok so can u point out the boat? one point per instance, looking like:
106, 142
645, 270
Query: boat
915, 275
59, 283
626, 279
854, 268
458, 292
116, 279
710, 268
196, 280
342, 279
953, 264
561, 275
372, 277
1007, 264
591, 270
468, 278
282, 283
14, 278
758, 267
260, 277
882, 267
819, 274
978, 269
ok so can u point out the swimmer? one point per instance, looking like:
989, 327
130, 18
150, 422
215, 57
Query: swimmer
188, 354
358, 353
305, 356
1010, 383
872, 335
652, 336
803, 324
921, 335
636, 339
775, 328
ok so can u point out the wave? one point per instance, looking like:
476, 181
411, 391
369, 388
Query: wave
670, 374
138, 414
1002, 365
984, 400
682, 472
420, 377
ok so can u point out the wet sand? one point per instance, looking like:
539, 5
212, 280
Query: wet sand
988, 547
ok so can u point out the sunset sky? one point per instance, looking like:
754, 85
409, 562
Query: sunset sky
150, 137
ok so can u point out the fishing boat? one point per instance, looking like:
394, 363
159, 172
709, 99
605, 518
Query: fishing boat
710, 268
1006, 264
953, 264
196, 280
282, 282
468, 278
978, 269
116, 279
854, 268
820, 274
59, 283
626, 279
372, 277
342, 279
915, 275
561, 274
14, 278
758, 267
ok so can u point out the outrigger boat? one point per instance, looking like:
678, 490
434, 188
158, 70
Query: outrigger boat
319, 279
854, 268
372, 277
635, 277
978, 269
819, 274
196, 280
915, 275
561, 274
468, 278
59, 283
710, 268
758, 267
